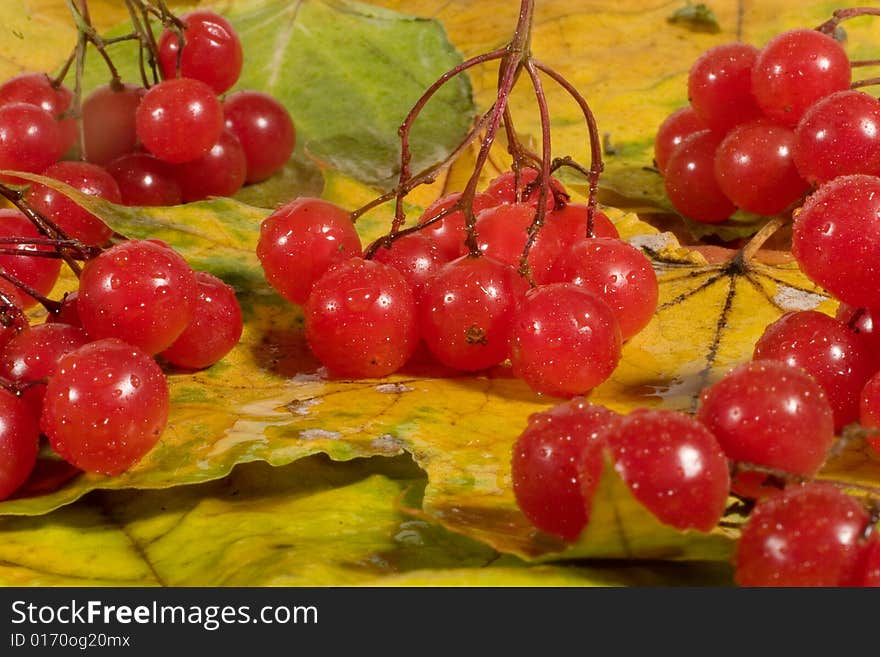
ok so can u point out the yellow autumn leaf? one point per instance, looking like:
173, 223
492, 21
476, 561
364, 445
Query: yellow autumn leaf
310, 523
270, 401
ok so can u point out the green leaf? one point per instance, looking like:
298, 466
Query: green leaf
697, 17
348, 73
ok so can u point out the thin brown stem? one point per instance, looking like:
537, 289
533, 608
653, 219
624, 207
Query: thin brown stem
868, 82
509, 69
406, 128
427, 175
47, 303
758, 239
544, 176
841, 15
595, 143
50, 229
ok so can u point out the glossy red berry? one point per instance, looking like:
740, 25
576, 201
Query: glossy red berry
617, 273
264, 128
137, 291
673, 465
675, 128
179, 120
19, 443
361, 319
771, 414
38, 89
466, 312
105, 407
211, 51
837, 136
214, 328
145, 180
795, 69
565, 340
32, 355
415, 256
502, 233
690, 180
74, 220
720, 86
807, 535
449, 231
557, 464
30, 139
755, 167
838, 359
219, 172
39, 272
836, 239
300, 241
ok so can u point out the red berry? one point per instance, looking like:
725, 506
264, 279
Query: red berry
673, 465
690, 180
807, 535
145, 180
137, 291
12, 317
211, 51
570, 223
300, 240
617, 273
360, 319
836, 239
105, 407
676, 127
770, 414
213, 330
38, 89
504, 188
37, 271
265, 130
219, 172
449, 231
754, 167
19, 443
31, 356
837, 358
30, 139
794, 70
179, 120
565, 340
109, 125
75, 221
502, 233
466, 312
720, 86
839, 135
869, 408
415, 256
557, 464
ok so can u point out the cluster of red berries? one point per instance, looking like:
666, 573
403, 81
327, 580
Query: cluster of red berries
367, 310
88, 377
764, 126
682, 468
174, 142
